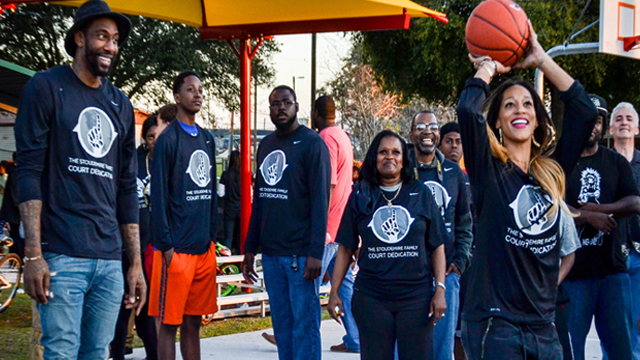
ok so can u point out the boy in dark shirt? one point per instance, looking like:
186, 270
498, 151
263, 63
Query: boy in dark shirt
289, 222
77, 190
184, 214
601, 186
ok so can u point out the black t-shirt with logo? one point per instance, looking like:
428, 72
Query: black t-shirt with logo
291, 195
144, 196
517, 254
448, 185
183, 179
397, 241
602, 178
76, 153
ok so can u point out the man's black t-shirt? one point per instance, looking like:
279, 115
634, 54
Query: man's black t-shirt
602, 178
144, 196
291, 195
517, 253
183, 177
76, 153
448, 185
231, 181
397, 241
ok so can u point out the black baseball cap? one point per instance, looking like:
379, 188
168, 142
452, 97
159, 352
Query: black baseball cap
92, 10
600, 103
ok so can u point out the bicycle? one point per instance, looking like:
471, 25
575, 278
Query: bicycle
226, 269
10, 273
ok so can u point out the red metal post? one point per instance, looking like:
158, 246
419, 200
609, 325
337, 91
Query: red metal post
245, 138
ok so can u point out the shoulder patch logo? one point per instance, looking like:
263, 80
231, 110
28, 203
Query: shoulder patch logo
273, 167
440, 194
200, 168
390, 224
530, 210
96, 132
589, 185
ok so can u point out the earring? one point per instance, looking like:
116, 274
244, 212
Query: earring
552, 131
501, 139
534, 142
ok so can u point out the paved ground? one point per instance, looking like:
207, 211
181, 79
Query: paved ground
251, 346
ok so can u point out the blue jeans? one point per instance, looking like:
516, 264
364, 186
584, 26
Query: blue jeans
352, 339
633, 269
445, 330
607, 299
498, 339
295, 308
80, 319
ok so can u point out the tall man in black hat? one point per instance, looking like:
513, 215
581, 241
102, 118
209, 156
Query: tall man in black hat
77, 191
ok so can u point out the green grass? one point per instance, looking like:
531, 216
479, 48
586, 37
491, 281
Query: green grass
15, 328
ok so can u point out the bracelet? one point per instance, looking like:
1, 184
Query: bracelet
438, 283
27, 259
491, 69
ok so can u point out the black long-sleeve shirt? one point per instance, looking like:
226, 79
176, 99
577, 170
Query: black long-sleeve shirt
183, 200
517, 253
291, 196
448, 184
76, 153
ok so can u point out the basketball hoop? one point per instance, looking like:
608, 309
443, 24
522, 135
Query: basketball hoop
631, 42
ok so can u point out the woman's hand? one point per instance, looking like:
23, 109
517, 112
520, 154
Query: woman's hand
535, 55
335, 307
477, 60
438, 305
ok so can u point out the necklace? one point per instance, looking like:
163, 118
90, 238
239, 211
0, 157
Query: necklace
393, 198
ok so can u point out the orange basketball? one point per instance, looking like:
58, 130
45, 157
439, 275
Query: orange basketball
499, 29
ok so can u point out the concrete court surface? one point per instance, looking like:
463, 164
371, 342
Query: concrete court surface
251, 346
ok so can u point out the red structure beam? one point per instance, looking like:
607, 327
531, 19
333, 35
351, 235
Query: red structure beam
306, 26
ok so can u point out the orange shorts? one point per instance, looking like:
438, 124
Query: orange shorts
187, 287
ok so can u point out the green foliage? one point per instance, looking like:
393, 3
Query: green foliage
154, 54
430, 59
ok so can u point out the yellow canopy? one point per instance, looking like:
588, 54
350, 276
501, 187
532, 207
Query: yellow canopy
237, 18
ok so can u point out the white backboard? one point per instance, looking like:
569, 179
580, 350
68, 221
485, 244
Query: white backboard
619, 19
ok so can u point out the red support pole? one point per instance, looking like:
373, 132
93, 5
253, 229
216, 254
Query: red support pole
245, 138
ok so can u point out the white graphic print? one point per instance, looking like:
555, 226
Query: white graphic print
589, 185
391, 224
144, 192
530, 210
273, 167
96, 132
200, 168
440, 194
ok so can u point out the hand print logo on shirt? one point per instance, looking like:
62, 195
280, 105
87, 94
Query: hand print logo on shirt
390, 224
273, 166
530, 210
96, 132
589, 185
200, 168
440, 194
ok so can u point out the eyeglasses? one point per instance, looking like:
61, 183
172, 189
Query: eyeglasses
432, 127
286, 103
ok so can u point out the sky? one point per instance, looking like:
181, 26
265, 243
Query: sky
294, 60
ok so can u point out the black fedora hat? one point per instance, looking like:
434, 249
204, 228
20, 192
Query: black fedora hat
94, 9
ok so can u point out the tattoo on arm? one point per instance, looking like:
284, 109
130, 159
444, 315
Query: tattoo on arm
131, 239
30, 213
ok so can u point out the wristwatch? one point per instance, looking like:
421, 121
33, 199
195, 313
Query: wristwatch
438, 283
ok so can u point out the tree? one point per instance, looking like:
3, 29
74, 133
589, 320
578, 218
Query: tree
366, 108
430, 59
155, 53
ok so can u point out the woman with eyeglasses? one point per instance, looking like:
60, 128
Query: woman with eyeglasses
395, 297
525, 236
